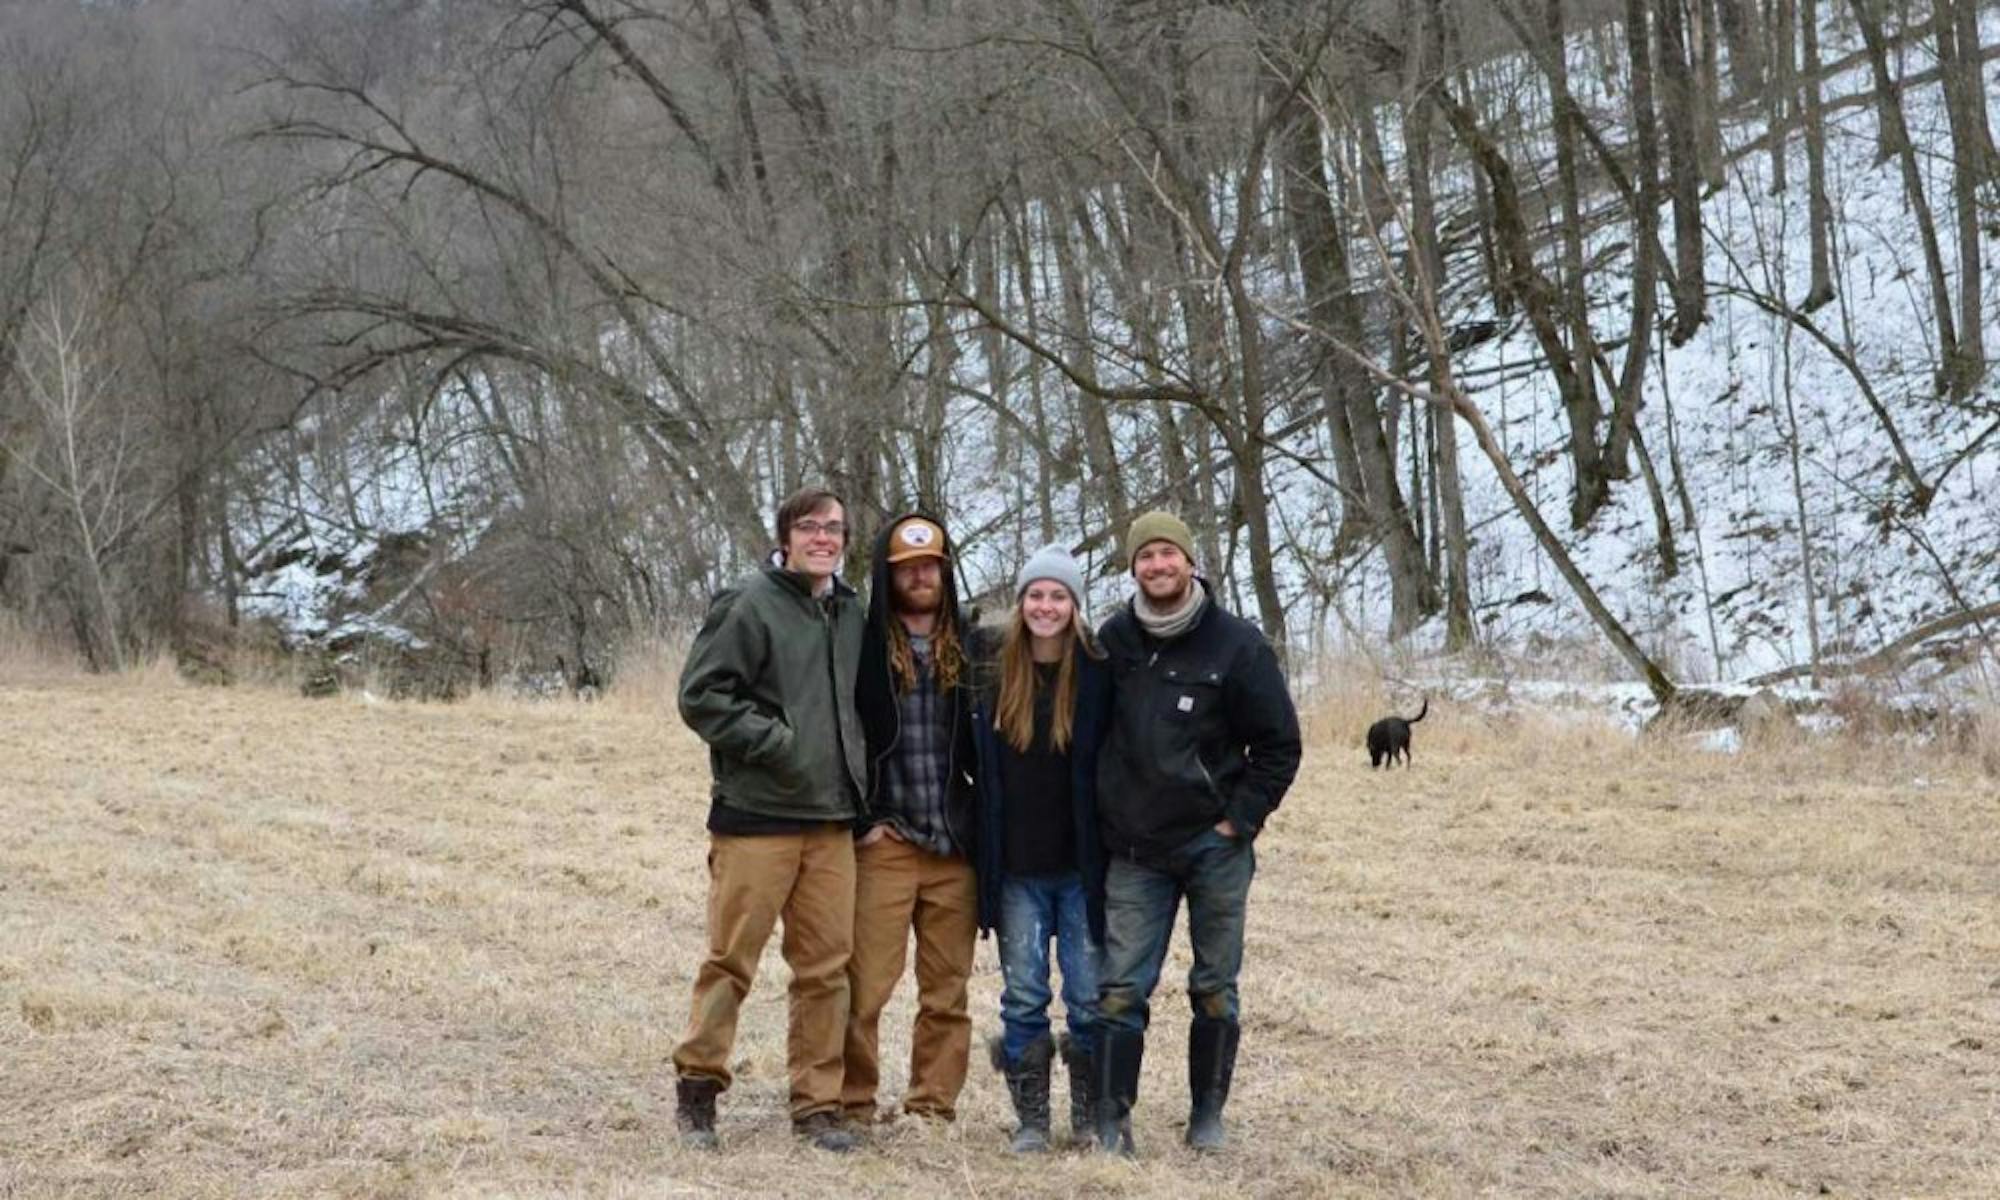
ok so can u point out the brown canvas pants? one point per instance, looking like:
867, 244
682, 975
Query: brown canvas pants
808, 880
901, 888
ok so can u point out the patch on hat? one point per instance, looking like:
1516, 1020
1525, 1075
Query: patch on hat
916, 538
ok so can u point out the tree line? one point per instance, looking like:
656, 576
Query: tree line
611, 276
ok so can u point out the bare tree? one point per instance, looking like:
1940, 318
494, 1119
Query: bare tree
1896, 133
1683, 160
1820, 290
83, 446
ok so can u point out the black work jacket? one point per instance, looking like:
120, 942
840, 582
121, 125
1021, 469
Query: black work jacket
1202, 728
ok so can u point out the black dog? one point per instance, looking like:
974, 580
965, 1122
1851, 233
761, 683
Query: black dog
1390, 736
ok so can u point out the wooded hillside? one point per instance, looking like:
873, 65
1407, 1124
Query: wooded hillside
497, 327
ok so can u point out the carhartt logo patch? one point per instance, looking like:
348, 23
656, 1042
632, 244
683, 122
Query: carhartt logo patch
1187, 704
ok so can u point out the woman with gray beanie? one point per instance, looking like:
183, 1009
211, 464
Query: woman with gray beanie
1040, 859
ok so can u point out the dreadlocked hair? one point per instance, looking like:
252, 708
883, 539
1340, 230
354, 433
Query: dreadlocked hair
947, 657
1014, 715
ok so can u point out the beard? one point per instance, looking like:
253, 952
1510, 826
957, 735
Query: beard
1170, 601
920, 602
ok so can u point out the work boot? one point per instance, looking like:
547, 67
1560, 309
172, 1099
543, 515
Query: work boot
1028, 1086
1119, 1053
825, 1131
1082, 1068
1211, 1061
694, 1111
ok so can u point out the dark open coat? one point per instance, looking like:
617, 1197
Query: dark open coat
1093, 711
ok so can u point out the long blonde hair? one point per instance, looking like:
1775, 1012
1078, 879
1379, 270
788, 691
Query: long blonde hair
1014, 715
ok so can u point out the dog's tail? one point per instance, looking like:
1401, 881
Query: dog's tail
1420, 712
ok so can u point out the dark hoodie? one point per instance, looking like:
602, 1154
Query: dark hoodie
875, 693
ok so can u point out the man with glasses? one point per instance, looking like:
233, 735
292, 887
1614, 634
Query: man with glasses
769, 685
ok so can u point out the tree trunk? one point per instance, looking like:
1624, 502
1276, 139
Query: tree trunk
1972, 149
1482, 208
1746, 44
1690, 281
1099, 450
1645, 230
1251, 494
1376, 201
1707, 92
1175, 466
1024, 282
1970, 60
1794, 445
1913, 186
1663, 522
1323, 265
1819, 208
1779, 97
1892, 136
1011, 449
1412, 595
1587, 411
1448, 522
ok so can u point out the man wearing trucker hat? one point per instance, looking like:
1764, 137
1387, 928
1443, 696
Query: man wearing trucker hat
913, 848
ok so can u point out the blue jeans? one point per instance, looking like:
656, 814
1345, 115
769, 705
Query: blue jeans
1032, 910
1141, 897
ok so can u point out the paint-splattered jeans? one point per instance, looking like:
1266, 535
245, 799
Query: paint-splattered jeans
1034, 909
1141, 897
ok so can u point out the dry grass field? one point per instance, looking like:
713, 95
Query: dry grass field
253, 945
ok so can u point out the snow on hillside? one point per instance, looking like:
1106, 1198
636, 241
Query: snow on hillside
325, 521
1716, 411
1726, 389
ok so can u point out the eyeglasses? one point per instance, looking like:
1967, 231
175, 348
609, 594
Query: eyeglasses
815, 528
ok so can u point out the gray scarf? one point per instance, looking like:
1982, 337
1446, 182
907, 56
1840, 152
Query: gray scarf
1168, 625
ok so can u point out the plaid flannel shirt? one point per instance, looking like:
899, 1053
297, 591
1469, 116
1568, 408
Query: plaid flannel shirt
916, 784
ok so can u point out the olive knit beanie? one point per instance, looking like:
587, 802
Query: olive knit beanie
1158, 526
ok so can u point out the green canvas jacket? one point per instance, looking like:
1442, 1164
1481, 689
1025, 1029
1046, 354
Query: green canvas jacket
769, 685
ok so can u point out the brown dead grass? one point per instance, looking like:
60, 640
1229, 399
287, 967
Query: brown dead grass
29, 653
257, 945
648, 675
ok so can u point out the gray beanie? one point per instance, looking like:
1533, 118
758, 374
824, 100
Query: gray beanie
1052, 562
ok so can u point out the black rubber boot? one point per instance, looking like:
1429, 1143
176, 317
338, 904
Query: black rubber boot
1211, 1062
694, 1111
1082, 1069
1028, 1087
1119, 1053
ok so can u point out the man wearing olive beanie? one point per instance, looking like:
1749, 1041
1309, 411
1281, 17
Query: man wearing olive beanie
1202, 744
